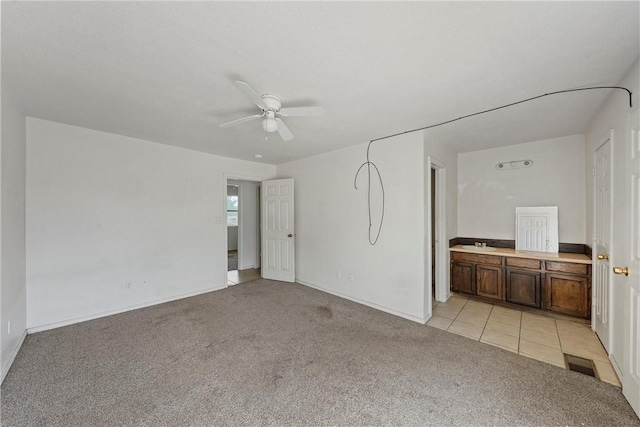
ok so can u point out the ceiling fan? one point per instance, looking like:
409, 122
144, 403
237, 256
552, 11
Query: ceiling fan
271, 108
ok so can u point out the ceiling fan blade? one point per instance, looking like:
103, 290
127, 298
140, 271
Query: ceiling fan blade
250, 93
284, 131
302, 111
242, 120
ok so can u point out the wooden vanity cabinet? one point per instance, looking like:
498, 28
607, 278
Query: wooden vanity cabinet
524, 281
463, 277
568, 289
524, 287
561, 287
477, 274
489, 281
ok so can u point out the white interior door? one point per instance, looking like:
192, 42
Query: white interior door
278, 242
602, 243
627, 277
532, 232
537, 229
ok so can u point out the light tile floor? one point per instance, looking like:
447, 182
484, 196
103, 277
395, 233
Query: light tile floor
538, 337
235, 277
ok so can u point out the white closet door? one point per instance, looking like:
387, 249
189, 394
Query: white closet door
278, 243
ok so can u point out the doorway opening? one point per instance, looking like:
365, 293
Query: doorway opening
433, 235
243, 231
437, 271
232, 227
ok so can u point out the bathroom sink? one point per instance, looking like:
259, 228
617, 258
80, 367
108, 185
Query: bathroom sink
479, 248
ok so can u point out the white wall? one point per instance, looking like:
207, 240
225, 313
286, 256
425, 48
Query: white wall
446, 155
332, 225
12, 240
613, 115
104, 210
488, 197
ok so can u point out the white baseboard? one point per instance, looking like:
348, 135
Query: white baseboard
14, 353
616, 367
367, 303
55, 325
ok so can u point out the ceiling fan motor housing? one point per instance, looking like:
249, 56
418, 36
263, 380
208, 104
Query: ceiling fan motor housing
272, 102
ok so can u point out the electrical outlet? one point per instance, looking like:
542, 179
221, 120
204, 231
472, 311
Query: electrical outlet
351, 277
8, 327
128, 286
338, 274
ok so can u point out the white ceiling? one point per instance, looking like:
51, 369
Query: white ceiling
162, 71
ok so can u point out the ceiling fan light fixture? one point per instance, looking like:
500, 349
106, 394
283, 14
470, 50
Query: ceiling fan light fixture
269, 124
270, 108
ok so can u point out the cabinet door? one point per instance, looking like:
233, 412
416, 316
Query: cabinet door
523, 287
489, 281
463, 278
567, 294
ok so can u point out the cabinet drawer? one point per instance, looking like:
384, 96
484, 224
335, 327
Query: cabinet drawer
567, 267
477, 258
534, 264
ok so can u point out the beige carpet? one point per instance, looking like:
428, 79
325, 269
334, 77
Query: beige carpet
270, 353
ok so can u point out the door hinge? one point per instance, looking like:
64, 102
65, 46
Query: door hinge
595, 171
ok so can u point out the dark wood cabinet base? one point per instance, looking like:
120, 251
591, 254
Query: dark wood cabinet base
555, 286
489, 281
463, 277
567, 294
524, 287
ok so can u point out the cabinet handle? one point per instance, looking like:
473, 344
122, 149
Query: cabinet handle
603, 256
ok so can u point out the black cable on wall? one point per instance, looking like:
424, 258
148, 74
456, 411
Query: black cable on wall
373, 237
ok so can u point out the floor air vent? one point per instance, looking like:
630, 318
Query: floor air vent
579, 364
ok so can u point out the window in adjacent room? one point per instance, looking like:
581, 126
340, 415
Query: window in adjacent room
232, 206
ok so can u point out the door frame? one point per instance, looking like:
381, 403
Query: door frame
223, 248
441, 247
607, 137
239, 227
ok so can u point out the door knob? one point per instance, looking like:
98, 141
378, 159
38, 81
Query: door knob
621, 270
603, 256
289, 235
